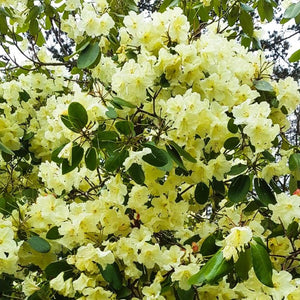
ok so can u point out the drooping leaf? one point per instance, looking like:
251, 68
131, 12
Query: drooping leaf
88, 56
243, 264
39, 244
4, 149
90, 159
77, 115
209, 246
201, 193
183, 153
246, 23
157, 157
261, 264
264, 192
136, 173
239, 188
294, 162
65, 119
214, 269
174, 155
232, 127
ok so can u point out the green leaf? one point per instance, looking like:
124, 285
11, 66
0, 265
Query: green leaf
136, 173
77, 155
158, 157
294, 162
116, 160
261, 264
77, 115
292, 230
243, 264
246, 7
246, 23
4, 149
54, 155
237, 169
232, 127
239, 188
233, 15
214, 269
91, 159
34, 27
264, 192
53, 234
3, 25
125, 127
65, 119
295, 56
88, 56
111, 113
183, 294
268, 8
209, 246
201, 193
263, 85
122, 102
231, 143
183, 153
174, 155
112, 275
268, 156
292, 11
39, 244
55, 268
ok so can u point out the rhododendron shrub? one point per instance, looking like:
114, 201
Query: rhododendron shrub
143, 166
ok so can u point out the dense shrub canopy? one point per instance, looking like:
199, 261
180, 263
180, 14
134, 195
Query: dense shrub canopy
147, 164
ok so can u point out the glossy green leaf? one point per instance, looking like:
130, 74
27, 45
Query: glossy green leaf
292, 230
77, 115
53, 234
157, 157
77, 155
268, 156
214, 269
294, 162
34, 27
243, 264
263, 85
88, 56
90, 159
209, 246
232, 127
183, 294
295, 56
246, 23
231, 143
264, 192
201, 193
39, 244
233, 15
55, 153
4, 149
116, 160
3, 25
136, 173
183, 153
125, 127
261, 264
65, 119
239, 188
174, 155
112, 275
55, 268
